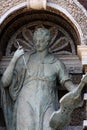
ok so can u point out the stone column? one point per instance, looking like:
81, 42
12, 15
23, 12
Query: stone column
82, 53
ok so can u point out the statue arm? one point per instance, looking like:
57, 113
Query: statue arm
66, 80
8, 74
68, 102
64, 77
68, 84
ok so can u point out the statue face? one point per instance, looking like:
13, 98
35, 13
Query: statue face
41, 43
41, 39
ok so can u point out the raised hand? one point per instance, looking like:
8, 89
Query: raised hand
19, 52
84, 78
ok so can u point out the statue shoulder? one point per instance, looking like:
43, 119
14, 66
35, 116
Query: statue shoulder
50, 59
20, 62
59, 64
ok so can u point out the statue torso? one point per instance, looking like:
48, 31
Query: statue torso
39, 87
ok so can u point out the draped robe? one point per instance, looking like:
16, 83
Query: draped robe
32, 97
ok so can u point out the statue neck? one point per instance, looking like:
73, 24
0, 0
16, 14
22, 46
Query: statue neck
42, 54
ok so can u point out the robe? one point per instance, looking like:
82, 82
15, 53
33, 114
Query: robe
32, 95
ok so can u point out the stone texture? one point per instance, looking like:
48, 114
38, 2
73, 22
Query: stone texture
2, 122
83, 2
78, 13
73, 128
2, 128
74, 8
5, 5
82, 53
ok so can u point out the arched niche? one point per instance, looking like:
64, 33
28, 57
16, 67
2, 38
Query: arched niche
19, 18
54, 16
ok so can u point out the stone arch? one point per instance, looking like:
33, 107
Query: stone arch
12, 20
11, 13
9, 26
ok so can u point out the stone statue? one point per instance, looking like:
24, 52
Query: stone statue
29, 93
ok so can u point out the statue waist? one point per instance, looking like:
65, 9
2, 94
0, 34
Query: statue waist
42, 78
29, 81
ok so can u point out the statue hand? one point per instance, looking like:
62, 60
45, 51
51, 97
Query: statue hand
84, 78
19, 52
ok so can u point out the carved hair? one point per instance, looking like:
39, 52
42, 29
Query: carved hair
42, 32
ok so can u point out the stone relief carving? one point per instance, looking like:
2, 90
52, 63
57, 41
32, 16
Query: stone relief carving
77, 11
61, 43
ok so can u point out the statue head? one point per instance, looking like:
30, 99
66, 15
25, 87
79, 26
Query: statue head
41, 38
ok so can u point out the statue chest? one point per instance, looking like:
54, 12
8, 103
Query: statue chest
41, 71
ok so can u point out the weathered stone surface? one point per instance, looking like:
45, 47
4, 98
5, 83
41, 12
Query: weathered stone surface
73, 128
72, 63
83, 2
7, 4
2, 128
82, 52
32, 80
74, 9
78, 13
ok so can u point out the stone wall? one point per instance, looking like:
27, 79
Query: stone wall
7, 4
84, 3
78, 13
74, 9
